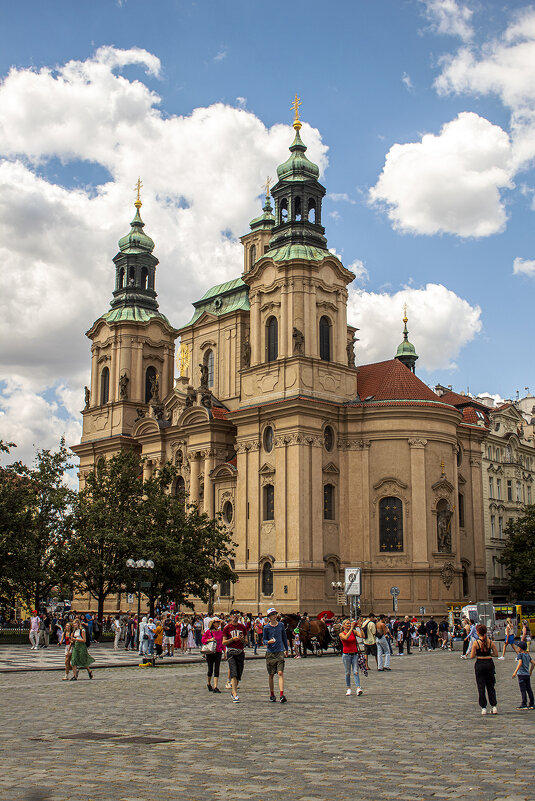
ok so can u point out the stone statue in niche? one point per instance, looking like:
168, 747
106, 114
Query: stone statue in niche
140, 414
204, 376
350, 348
246, 353
299, 341
123, 386
155, 388
179, 458
87, 398
157, 410
190, 396
444, 516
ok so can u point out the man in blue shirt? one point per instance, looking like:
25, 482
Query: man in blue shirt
276, 641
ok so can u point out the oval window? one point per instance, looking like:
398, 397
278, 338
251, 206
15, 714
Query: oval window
268, 439
228, 512
328, 438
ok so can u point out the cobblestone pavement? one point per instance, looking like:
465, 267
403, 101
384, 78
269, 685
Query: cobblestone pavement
15, 658
136, 734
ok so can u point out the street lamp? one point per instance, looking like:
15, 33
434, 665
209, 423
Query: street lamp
139, 565
338, 586
211, 591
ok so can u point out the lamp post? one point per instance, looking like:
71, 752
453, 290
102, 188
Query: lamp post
211, 592
139, 565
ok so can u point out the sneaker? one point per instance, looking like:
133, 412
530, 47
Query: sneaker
494, 710
501, 657
235, 699
359, 690
216, 690
283, 700
484, 711
387, 668
228, 686
531, 707
272, 699
521, 707
348, 691
210, 688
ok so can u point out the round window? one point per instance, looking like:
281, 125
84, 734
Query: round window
228, 512
328, 438
268, 439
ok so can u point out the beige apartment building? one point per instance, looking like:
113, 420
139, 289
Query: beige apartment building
314, 463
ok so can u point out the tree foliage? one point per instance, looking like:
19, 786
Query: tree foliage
519, 555
35, 522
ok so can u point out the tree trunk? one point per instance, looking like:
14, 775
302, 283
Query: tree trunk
36, 598
101, 599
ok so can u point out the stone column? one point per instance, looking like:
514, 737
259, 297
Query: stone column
419, 503
316, 496
341, 328
313, 335
114, 374
208, 500
256, 332
138, 379
193, 457
95, 400
364, 448
284, 325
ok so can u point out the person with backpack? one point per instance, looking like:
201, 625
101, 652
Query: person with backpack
368, 636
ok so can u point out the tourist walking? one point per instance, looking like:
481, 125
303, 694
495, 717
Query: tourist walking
117, 632
80, 656
66, 639
368, 634
523, 671
130, 641
350, 654
383, 647
213, 634
422, 637
466, 637
432, 628
158, 638
191, 636
35, 622
234, 635
406, 627
276, 641
483, 651
169, 633
509, 637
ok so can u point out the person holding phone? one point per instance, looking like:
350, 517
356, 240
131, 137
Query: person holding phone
350, 653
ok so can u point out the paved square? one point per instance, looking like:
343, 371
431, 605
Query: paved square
135, 734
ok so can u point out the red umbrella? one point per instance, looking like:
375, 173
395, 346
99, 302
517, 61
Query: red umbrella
327, 614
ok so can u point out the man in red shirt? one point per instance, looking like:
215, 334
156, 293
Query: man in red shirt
234, 637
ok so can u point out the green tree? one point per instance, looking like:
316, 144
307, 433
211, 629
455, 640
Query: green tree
190, 551
35, 522
106, 526
519, 555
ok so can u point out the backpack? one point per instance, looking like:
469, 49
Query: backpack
365, 628
184, 631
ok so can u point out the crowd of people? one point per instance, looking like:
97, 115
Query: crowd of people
220, 637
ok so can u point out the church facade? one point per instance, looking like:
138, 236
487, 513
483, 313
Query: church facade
314, 464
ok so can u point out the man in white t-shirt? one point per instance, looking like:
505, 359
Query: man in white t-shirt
117, 632
35, 622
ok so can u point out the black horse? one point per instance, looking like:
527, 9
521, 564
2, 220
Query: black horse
310, 631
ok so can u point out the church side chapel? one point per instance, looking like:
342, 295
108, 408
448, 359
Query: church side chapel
313, 463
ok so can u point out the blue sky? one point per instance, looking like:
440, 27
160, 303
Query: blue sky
421, 114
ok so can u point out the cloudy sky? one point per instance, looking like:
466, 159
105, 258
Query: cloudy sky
420, 113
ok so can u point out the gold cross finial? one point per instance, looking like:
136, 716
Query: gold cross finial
137, 189
295, 106
405, 318
267, 185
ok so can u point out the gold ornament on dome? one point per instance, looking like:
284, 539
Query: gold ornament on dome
295, 107
183, 360
137, 190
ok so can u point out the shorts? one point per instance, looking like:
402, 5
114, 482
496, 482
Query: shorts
510, 639
169, 641
235, 666
275, 662
370, 648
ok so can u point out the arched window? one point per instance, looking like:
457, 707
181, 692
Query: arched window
328, 438
268, 439
325, 339
297, 215
120, 281
311, 210
179, 490
144, 278
272, 339
209, 363
150, 378
269, 502
228, 512
328, 502
444, 516
104, 386
130, 275
252, 256
283, 212
224, 588
267, 579
390, 525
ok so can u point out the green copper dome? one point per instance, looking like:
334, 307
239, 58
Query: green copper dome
298, 167
406, 348
136, 241
266, 220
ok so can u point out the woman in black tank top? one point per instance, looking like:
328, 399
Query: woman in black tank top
483, 651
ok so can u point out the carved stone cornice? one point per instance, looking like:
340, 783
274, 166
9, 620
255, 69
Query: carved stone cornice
475, 462
417, 443
298, 438
248, 445
348, 444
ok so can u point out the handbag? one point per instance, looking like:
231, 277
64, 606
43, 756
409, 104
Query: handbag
209, 647
234, 651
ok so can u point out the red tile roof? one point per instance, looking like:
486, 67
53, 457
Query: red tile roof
391, 380
219, 413
454, 399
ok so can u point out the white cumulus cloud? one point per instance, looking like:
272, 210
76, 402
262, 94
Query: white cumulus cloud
449, 18
524, 267
450, 182
440, 324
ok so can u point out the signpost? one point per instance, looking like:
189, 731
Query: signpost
394, 592
352, 576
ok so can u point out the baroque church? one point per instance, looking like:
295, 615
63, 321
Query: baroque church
314, 463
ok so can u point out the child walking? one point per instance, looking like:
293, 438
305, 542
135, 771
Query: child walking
523, 671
